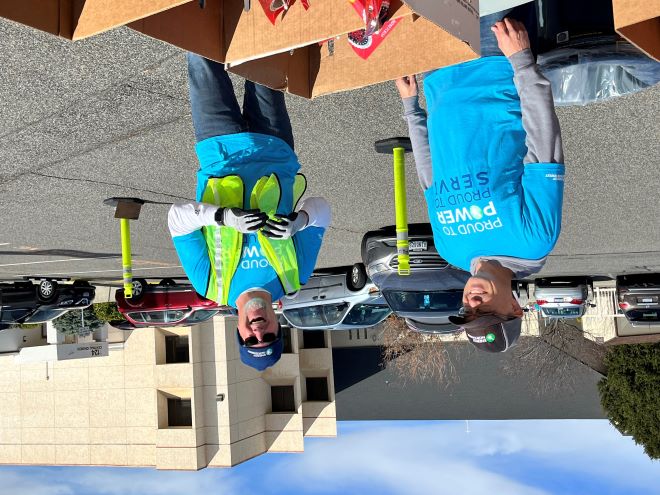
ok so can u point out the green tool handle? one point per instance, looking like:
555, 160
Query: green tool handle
401, 211
126, 260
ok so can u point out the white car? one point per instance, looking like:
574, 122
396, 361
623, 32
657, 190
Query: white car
338, 301
566, 297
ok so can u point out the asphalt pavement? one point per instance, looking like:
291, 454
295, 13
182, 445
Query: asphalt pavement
109, 116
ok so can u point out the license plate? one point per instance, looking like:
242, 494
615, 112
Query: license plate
417, 246
647, 300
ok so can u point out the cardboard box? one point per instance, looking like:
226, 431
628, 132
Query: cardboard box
639, 22
222, 31
77, 19
415, 45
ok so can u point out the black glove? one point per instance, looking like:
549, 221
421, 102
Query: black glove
284, 226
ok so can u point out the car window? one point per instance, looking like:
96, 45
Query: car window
366, 314
42, 315
317, 316
201, 315
566, 311
643, 315
156, 317
424, 301
11, 315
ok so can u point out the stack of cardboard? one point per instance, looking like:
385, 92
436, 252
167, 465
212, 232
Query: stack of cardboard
293, 54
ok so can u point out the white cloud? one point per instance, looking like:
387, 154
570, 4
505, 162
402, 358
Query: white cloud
388, 458
441, 457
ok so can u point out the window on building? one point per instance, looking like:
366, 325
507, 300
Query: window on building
283, 399
286, 340
313, 339
179, 412
317, 389
176, 349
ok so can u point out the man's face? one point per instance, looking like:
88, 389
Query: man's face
488, 294
256, 318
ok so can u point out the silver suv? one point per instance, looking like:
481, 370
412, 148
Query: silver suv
430, 294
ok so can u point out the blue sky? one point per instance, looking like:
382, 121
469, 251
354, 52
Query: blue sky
402, 457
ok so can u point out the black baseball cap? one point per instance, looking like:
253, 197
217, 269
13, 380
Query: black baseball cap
491, 333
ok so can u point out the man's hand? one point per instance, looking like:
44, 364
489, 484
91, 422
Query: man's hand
511, 36
244, 221
283, 227
407, 86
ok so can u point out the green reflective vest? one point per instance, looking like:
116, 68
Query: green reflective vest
225, 243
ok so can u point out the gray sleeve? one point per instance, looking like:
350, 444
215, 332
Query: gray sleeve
538, 111
415, 116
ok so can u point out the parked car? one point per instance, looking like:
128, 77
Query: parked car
436, 329
564, 297
45, 300
430, 294
336, 301
165, 304
639, 298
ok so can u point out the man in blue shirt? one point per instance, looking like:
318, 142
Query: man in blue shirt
490, 163
246, 241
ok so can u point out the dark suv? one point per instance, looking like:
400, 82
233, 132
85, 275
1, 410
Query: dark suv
28, 302
639, 298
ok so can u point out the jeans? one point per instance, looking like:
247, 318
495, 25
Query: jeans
215, 110
525, 13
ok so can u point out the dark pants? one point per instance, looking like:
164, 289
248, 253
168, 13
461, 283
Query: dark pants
525, 13
215, 110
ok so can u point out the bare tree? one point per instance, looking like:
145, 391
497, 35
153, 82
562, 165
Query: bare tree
553, 356
415, 356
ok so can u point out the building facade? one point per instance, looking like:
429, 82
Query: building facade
176, 398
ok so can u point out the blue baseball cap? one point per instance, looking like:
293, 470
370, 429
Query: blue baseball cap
261, 358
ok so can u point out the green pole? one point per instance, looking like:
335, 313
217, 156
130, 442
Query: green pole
401, 211
126, 257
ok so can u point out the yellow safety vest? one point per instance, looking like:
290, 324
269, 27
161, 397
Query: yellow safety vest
224, 243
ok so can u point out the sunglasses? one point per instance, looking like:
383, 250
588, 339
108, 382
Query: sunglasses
268, 338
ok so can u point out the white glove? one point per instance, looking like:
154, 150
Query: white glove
245, 221
284, 226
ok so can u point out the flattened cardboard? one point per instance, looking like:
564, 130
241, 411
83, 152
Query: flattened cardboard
639, 22
224, 32
457, 17
77, 19
311, 71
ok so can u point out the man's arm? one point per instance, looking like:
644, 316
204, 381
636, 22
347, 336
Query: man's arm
185, 221
184, 218
537, 106
538, 111
415, 116
308, 240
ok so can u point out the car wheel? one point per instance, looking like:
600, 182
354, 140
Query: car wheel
139, 288
356, 278
47, 290
168, 282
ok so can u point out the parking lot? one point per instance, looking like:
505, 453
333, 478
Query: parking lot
109, 116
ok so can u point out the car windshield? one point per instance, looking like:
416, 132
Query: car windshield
316, 316
565, 311
12, 315
42, 315
201, 315
423, 301
643, 315
156, 317
366, 314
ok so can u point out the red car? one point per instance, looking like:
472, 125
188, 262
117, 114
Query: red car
165, 304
